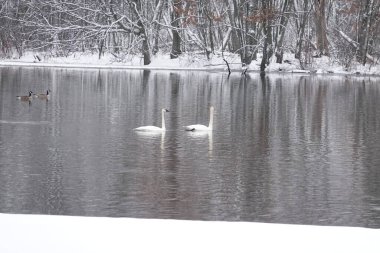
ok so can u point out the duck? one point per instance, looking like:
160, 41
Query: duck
199, 127
25, 98
43, 96
155, 128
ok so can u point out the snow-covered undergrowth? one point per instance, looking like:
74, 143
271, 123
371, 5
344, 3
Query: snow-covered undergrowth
191, 61
66, 234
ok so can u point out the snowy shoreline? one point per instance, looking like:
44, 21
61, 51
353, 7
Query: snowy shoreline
49, 233
322, 66
99, 66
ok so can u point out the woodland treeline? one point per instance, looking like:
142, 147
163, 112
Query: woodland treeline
344, 30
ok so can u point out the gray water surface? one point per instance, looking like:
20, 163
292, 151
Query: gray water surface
285, 148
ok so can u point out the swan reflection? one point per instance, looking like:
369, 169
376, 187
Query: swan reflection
202, 135
152, 136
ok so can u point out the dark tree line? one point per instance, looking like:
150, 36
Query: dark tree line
344, 30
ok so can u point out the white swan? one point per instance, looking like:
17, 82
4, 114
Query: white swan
199, 127
154, 128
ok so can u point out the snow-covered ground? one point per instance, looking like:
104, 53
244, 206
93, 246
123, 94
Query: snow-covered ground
65, 234
188, 61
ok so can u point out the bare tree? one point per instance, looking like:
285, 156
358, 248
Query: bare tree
244, 27
141, 30
321, 29
267, 12
281, 29
364, 32
175, 22
156, 24
302, 10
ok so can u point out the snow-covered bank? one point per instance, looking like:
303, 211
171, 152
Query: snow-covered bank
161, 62
188, 62
45, 233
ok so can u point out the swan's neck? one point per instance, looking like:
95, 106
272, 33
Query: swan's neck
163, 120
211, 118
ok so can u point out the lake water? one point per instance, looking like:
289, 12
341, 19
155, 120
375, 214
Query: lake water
285, 148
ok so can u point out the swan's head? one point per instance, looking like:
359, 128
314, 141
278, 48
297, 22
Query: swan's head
165, 110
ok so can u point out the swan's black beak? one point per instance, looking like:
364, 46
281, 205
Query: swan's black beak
166, 110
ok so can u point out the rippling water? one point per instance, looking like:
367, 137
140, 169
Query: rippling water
285, 149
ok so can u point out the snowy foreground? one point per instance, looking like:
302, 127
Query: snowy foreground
194, 61
46, 233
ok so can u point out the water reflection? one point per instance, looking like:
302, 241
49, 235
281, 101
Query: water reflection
152, 135
200, 136
285, 148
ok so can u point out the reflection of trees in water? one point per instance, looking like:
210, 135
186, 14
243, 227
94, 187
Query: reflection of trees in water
285, 148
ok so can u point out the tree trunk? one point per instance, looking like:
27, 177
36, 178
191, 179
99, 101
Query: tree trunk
156, 17
320, 26
176, 46
235, 32
364, 31
249, 51
210, 33
268, 42
100, 48
281, 32
136, 9
301, 27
